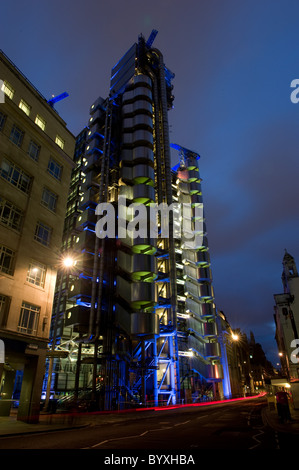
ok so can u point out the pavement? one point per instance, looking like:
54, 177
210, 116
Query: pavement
9, 425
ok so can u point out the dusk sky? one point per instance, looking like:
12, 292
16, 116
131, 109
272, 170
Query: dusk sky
233, 62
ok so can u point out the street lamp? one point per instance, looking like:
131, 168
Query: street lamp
66, 264
235, 337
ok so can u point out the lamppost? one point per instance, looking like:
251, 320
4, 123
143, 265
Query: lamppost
66, 264
240, 380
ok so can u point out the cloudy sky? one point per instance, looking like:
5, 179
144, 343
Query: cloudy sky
233, 62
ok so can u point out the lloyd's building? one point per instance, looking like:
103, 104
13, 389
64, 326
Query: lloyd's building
135, 315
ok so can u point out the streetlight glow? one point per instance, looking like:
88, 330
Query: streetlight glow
68, 262
235, 337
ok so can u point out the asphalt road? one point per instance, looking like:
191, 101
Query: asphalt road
230, 426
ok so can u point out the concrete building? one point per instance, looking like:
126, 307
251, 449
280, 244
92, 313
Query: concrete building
36, 159
286, 316
132, 315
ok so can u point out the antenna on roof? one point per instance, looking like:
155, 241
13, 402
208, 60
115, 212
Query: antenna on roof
55, 99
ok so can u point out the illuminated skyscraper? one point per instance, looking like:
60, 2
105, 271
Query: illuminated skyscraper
123, 311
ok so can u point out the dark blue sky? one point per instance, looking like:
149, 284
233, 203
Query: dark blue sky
233, 62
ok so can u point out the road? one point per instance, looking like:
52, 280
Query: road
228, 426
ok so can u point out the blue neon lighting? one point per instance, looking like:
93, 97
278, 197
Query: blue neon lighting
60, 97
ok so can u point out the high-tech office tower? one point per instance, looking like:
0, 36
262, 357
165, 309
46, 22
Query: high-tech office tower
122, 307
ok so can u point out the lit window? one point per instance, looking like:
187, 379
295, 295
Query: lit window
16, 135
29, 316
55, 169
7, 257
43, 233
25, 107
10, 215
8, 89
59, 141
33, 150
40, 122
15, 176
49, 199
36, 274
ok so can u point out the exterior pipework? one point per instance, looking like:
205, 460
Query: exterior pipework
91, 336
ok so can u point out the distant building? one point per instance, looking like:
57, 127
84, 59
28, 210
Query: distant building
286, 316
235, 355
36, 159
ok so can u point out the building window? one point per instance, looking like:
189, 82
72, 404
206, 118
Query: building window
55, 169
4, 307
25, 107
29, 318
43, 233
40, 122
2, 120
7, 258
49, 199
10, 215
16, 135
33, 150
15, 176
8, 89
59, 141
36, 274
